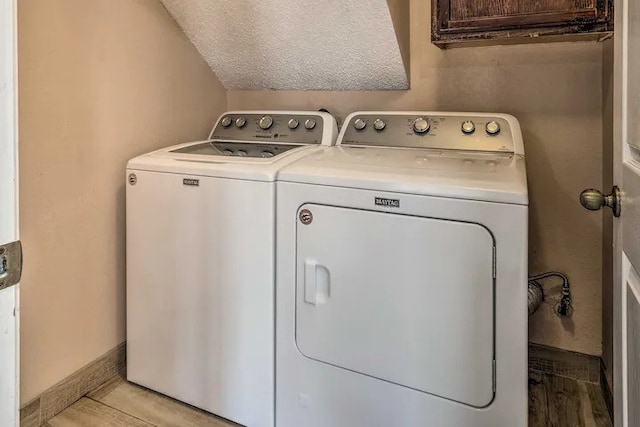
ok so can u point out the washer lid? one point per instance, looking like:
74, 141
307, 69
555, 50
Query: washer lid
235, 149
493, 177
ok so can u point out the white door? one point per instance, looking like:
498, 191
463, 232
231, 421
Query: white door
368, 283
9, 253
627, 227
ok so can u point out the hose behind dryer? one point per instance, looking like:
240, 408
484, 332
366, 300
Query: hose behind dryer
536, 295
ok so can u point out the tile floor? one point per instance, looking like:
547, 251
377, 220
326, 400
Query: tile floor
553, 402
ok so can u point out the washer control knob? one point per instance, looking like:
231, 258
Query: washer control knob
226, 122
293, 123
240, 122
242, 153
359, 124
493, 128
266, 122
379, 124
421, 125
468, 127
267, 154
310, 124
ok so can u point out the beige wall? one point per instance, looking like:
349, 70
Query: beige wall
100, 82
555, 91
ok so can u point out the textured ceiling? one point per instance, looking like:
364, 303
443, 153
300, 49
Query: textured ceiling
295, 45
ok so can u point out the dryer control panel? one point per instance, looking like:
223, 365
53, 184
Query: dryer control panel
451, 131
270, 128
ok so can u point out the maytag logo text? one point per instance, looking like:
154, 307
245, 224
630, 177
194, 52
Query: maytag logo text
390, 203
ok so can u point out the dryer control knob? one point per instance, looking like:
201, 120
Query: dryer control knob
379, 124
266, 122
421, 125
493, 128
310, 124
293, 123
359, 124
468, 127
241, 121
225, 122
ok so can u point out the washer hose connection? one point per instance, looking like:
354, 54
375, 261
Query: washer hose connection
535, 294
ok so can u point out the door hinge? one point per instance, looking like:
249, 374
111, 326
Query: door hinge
494, 376
10, 264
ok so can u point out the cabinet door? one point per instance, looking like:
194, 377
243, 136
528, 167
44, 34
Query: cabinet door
459, 20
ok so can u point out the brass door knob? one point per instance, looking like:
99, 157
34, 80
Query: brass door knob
594, 200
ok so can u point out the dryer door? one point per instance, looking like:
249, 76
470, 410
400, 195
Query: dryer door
408, 300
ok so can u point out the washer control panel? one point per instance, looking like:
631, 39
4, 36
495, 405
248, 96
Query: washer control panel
429, 130
270, 128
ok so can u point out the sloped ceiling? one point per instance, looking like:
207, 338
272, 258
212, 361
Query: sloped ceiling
299, 44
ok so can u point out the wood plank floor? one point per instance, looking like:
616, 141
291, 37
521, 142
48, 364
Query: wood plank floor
122, 404
553, 402
564, 402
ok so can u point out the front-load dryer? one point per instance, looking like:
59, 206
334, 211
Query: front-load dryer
401, 275
200, 261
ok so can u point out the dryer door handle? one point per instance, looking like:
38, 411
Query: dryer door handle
317, 282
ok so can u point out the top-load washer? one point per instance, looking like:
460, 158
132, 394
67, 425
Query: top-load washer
200, 261
401, 275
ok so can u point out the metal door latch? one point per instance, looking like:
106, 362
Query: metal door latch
10, 264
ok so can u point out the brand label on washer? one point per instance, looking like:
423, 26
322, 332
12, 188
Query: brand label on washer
191, 182
390, 203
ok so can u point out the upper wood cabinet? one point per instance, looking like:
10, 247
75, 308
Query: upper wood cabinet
456, 21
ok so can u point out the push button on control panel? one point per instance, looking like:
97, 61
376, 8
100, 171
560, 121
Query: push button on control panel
493, 128
379, 124
468, 127
359, 124
240, 122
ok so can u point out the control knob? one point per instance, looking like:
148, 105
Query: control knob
493, 128
310, 124
359, 124
468, 127
240, 122
421, 125
266, 122
225, 122
293, 123
379, 124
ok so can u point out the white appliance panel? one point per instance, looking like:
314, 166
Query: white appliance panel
199, 292
375, 287
315, 394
